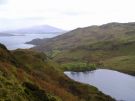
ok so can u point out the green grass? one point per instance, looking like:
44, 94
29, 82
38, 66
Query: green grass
78, 66
121, 63
120, 56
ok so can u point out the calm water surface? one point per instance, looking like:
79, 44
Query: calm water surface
14, 42
118, 85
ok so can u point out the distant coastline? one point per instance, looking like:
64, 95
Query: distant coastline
5, 34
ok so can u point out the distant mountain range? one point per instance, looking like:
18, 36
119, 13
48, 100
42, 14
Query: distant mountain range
42, 29
88, 36
5, 34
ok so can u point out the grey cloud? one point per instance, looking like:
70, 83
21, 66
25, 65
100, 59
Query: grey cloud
3, 2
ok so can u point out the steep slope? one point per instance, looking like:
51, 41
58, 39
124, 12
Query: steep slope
109, 45
30, 76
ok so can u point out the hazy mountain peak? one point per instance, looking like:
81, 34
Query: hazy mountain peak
41, 29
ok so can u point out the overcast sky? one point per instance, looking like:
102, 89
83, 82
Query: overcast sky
65, 14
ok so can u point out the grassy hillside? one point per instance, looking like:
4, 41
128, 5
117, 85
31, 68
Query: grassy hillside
30, 76
88, 36
110, 45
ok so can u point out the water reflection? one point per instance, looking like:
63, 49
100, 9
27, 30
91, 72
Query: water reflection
118, 85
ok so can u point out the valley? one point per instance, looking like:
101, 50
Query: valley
26, 75
108, 46
67, 50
